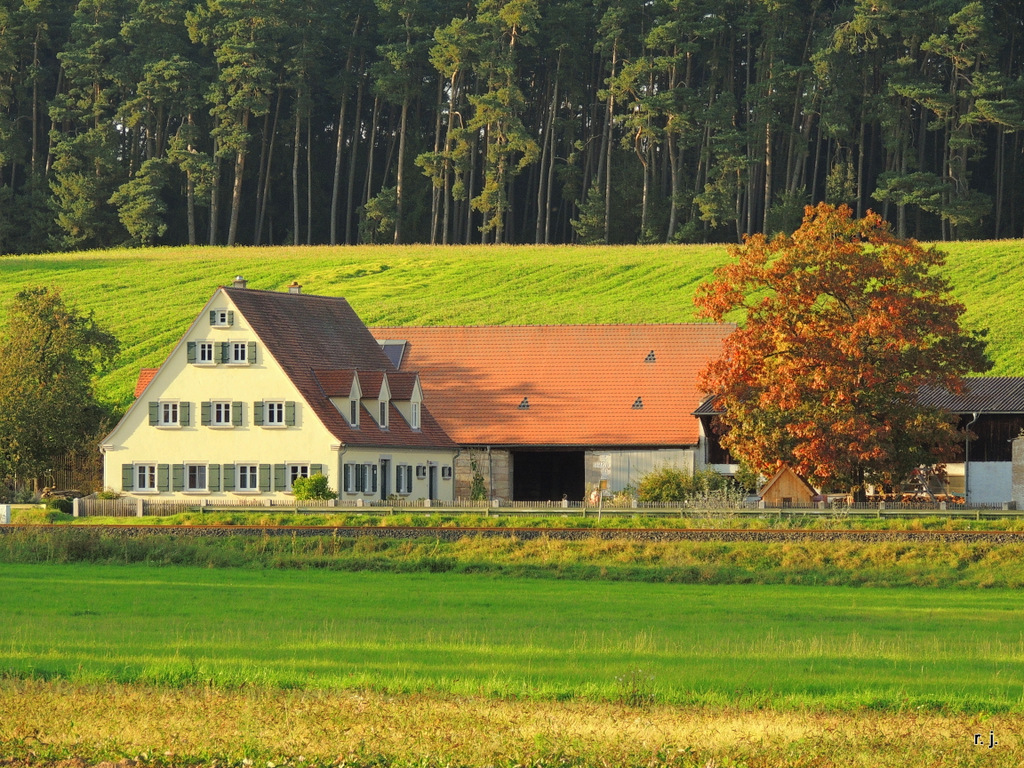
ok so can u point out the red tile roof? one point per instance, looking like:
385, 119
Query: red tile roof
574, 385
305, 334
145, 376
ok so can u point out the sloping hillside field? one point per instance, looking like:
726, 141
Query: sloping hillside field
148, 297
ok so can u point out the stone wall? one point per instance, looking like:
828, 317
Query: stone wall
495, 466
1017, 473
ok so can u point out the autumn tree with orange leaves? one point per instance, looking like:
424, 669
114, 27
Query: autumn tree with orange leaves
840, 323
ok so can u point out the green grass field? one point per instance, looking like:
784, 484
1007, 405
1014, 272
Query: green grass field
148, 297
780, 646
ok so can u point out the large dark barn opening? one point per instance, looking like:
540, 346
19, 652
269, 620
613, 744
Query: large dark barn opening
547, 475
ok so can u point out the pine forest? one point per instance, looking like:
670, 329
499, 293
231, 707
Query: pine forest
235, 122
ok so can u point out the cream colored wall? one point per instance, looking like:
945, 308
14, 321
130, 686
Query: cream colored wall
134, 440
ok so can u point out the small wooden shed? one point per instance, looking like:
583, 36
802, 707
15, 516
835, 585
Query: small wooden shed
786, 489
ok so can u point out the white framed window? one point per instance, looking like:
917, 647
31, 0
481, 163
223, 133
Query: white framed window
169, 414
295, 471
247, 477
195, 477
204, 354
239, 352
273, 413
222, 318
145, 477
446, 472
403, 479
415, 412
383, 421
353, 417
220, 413
421, 471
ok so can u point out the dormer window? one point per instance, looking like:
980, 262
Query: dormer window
353, 407
383, 421
222, 318
415, 412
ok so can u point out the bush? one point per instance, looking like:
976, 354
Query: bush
669, 484
312, 488
67, 506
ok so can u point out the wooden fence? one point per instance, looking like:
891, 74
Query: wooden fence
127, 506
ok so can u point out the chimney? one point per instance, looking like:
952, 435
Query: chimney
295, 287
239, 282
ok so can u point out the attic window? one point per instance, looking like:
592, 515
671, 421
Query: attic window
638, 403
650, 357
525, 405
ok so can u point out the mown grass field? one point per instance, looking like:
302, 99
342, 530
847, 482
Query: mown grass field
148, 297
780, 646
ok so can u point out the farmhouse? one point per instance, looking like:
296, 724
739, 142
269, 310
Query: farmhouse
546, 412
992, 409
266, 387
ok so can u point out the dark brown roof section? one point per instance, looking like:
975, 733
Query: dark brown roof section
305, 334
336, 383
986, 394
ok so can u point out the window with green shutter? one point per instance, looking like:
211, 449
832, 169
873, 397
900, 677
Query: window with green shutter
127, 477
183, 413
257, 413
213, 477
178, 477
289, 414
154, 413
280, 477
192, 357
236, 414
204, 418
228, 477
163, 482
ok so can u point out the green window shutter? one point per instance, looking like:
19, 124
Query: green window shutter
213, 317
213, 477
280, 477
250, 356
163, 472
225, 352
178, 477
228, 477
373, 478
289, 414
359, 477
154, 413
184, 411
316, 469
205, 414
257, 413
264, 477
236, 413
127, 477
231, 317
347, 474
191, 351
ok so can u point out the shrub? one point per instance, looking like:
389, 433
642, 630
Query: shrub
674, 484
61, 505
312, 488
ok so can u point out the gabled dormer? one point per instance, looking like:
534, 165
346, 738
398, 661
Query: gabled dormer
344, 391
407, 395
376, 396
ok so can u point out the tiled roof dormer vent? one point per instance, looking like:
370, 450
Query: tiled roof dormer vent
525, 404
650, 357
638, 403
239, 282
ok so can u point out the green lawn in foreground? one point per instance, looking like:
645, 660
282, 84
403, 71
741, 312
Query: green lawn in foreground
523, 637
148, 297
